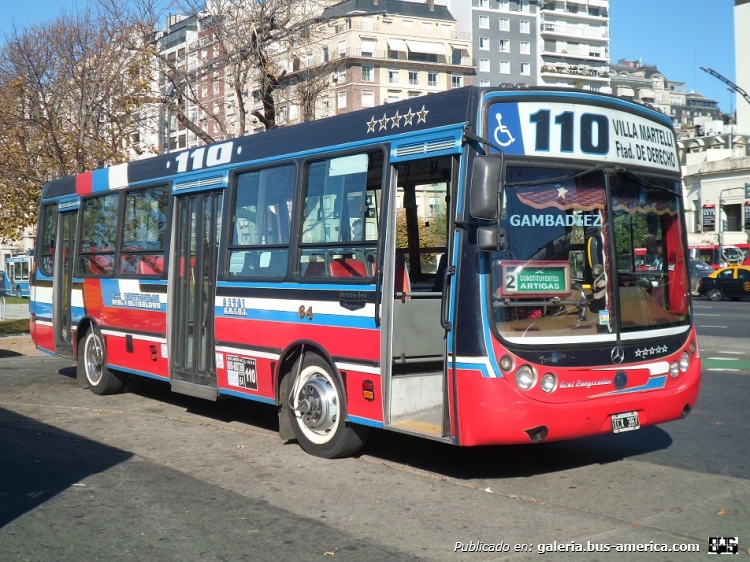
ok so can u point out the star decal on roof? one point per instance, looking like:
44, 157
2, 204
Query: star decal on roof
396, 120
561, 191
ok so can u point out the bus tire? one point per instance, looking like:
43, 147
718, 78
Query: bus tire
317, 410
92, 366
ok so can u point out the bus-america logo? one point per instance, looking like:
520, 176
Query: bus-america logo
394, 121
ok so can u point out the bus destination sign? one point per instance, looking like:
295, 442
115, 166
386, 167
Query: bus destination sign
568, 130
535, 278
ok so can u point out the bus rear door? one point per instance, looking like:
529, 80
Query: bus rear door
193, 287
62, 285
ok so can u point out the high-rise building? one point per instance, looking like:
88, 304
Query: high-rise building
505, 37
742, 63
372, 52
574, 37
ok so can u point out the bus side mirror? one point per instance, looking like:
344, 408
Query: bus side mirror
491, 238
487, 182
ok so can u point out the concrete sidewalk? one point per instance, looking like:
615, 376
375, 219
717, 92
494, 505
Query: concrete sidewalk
13, 311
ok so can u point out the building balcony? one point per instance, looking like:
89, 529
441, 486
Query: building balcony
558, 29
581, 15
578, 52
597, 74
401, 56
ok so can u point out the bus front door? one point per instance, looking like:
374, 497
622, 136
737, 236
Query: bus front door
193, 285
62, 313
415, 340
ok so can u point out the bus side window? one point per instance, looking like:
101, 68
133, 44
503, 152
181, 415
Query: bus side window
99, 231
340, 225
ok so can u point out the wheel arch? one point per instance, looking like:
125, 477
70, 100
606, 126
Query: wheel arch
289, 357
84, 324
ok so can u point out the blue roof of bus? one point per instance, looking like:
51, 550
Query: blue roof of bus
387, 122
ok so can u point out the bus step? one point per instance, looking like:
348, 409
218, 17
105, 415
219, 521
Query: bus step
420, 427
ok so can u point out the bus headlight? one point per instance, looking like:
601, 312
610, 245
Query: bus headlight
674, 369
525, 377
684, 361
548, 382
506, 363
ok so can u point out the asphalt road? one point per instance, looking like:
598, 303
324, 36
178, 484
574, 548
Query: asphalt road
152, 475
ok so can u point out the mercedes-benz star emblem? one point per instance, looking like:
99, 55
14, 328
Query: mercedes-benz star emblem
618, 354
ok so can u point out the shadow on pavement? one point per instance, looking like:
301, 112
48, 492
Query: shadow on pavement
39, 461
456, 462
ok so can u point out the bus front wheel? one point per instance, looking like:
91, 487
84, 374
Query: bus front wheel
317, 411
92, 366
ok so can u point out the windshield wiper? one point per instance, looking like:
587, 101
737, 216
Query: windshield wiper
641, 180
557, 179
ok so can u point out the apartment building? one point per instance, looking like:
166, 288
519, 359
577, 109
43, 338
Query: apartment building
574, 37
505, 38
373, 52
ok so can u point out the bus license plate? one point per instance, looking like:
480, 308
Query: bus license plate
625, 422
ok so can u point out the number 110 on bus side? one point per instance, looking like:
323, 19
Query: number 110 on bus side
594, 133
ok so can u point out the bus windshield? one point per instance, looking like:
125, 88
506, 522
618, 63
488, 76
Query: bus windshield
573, 270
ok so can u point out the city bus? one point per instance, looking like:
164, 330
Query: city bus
16, 278
718, 256
460, 267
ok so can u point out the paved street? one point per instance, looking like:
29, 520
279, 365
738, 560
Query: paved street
147, 475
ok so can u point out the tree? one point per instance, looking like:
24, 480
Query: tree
253, 39
69, 102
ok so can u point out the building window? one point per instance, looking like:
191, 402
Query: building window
342, 48
204, 91
484, 3
524, 5
368, 73
310, 59
525, 48
341, 75
216, 87
504, 24
484, 65
505, 45
368, 47
368, 98
484, 83
525, 28
526, 68
457, 81
407, 23
411, 94
484, 43
432, 79
413, 77
392, 97
504, 67
503, 5
484, 22
341, 99
392, 76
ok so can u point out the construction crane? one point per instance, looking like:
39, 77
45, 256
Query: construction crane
732, 86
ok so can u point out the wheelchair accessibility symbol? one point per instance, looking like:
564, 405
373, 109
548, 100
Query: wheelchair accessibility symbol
501, 131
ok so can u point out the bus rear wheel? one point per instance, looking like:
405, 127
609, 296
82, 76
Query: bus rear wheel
92, 366
317, 411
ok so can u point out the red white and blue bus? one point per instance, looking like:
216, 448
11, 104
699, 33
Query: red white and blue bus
16, 275
460, 267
